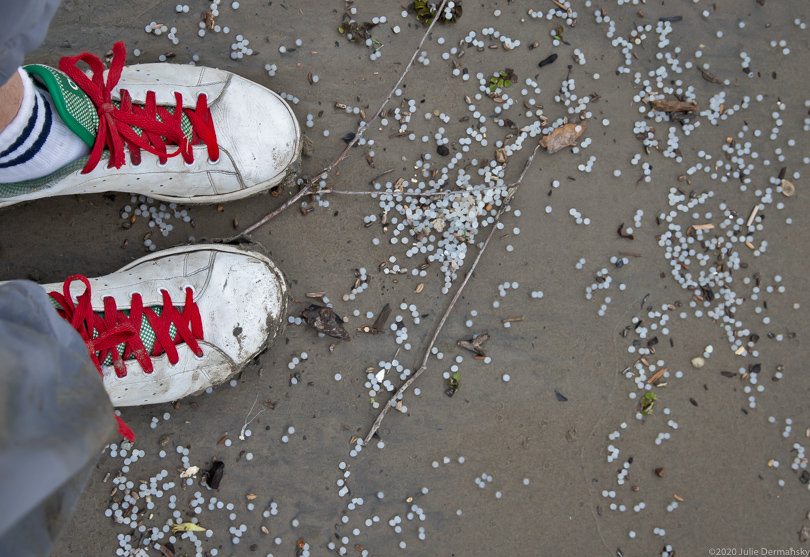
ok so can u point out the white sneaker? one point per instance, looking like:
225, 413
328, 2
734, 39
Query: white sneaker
205, 311
237, 138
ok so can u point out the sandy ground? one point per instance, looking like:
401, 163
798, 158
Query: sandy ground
718, 462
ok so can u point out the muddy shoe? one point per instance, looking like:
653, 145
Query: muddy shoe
175, 322
180, 133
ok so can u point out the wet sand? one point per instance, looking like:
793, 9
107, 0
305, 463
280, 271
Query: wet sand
567, 393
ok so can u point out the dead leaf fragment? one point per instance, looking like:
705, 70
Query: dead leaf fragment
265, 530
500, 155
379, 323
708, 76
213, 477
187, 527
251, 496
562, 137
788, 189
475, 345
208, 18
677, 497
804, 535
325, 321
664, 105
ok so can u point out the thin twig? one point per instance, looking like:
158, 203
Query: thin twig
511, 192
378, 176
309, 188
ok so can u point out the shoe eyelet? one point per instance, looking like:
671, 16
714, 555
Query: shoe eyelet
132, 294
193, 290
203, 93
199, 358
214, 163
188, 164
162, 164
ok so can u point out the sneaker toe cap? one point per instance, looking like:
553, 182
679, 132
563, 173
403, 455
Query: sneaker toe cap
244, 305
257, 128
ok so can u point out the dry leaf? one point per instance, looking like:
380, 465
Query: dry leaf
673, 106
379, 323
708, 76
265, 530
475, 345
208, 18
251, 496
326, 321
562, 137
788, 189
677, 497
187, 527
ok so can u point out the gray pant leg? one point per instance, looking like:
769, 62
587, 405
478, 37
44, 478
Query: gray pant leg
25, 23
55, 417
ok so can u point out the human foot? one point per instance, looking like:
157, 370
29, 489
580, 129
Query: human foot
232, 139
177, 321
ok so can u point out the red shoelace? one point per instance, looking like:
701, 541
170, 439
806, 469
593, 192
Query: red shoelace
116, 123
103, 335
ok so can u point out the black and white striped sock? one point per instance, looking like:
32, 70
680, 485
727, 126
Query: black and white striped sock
37, 142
